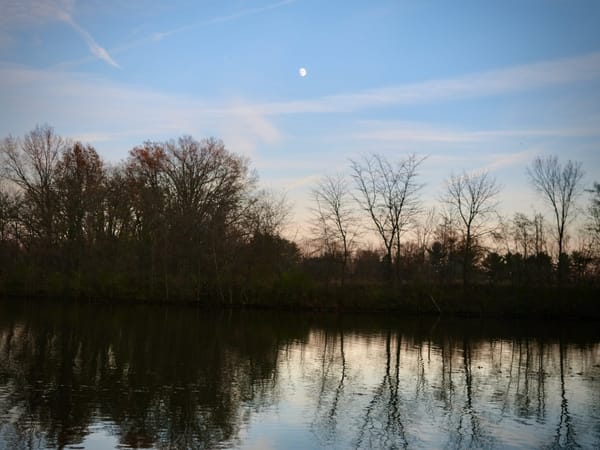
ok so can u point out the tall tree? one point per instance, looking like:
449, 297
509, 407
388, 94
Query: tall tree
31, 164
207, 187
333, 217
389, 193
265, 253
9, 229
147, 187
559, 185
118, 209
472, 198
79, 186
267, 213
528, 234
594, 215
424, 232
523, 233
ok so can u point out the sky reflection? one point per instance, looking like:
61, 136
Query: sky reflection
250, 380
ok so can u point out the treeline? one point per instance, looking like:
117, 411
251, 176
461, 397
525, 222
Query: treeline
178, 220
185, 220
464, 240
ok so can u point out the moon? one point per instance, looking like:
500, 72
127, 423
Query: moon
302, 71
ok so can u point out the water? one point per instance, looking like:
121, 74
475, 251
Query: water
151, 377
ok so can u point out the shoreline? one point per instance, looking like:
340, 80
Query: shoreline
477, 301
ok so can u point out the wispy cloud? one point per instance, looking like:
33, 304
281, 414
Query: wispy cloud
251, 127
33, 95
406, 131
519, 78
496, 161
18, 12
28, 12
220, 19
97, 50
103, 108
494, 82
158, 36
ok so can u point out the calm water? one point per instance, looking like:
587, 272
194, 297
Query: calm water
107, 377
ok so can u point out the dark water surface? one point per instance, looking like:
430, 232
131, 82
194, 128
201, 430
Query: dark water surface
156, 377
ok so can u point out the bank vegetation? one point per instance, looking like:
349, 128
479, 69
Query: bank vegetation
185, 221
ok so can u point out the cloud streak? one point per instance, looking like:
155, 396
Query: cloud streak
28, 12
221, 19
33, 95
395, 131
97, 50
161, 35
19, 12
104, 110
494, 82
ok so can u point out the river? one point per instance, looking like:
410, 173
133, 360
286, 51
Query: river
105, 377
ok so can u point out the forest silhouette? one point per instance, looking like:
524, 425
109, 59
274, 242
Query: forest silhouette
185, 221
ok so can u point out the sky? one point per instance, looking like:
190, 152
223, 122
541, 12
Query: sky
472, 85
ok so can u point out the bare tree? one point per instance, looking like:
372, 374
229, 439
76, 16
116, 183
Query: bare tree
593, 225
540, 245
206, 186
146, 182
559, 186
523, 233
9, 207
425, 231
119, 222
267, 212
472, 198
335, 224
31, 164
79, 184
389, 193
528, 234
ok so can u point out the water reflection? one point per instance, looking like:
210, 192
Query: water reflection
183, 378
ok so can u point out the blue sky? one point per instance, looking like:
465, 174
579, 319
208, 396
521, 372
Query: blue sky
474, 85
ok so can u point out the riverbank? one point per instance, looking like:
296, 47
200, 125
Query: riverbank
581, 302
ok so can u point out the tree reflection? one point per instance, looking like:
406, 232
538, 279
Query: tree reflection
179, 378
469, 392
161, 379
565, 431
332, 376
382, 424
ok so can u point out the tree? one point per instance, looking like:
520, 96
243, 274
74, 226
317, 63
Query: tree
523, 234
442, 253
494, 266
267, 212
9, 239
119, 218
79, 186
424, 232
205, 180
472, 198
333, 217
594, 215
265, 255
540, 244
559, 186
31, 164
389, 194
207, 188
145, 179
